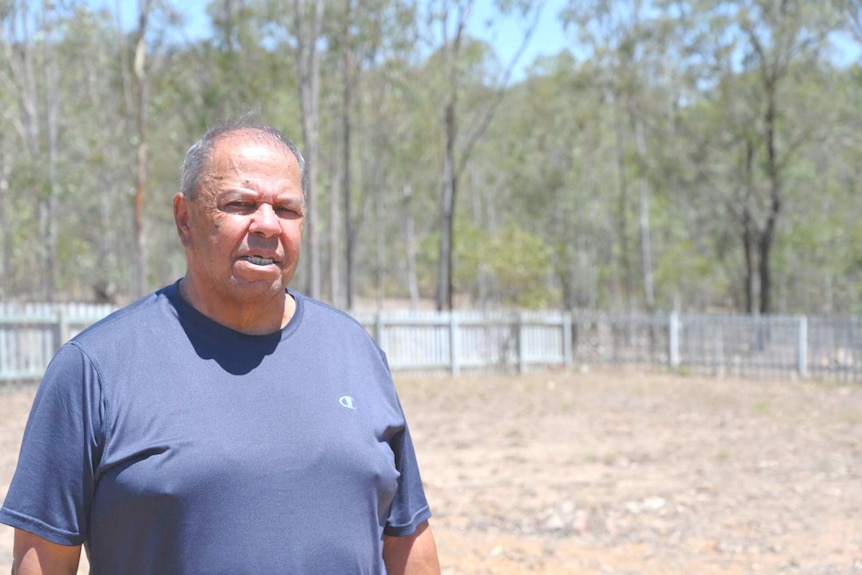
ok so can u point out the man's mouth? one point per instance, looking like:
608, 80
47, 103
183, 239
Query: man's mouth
258, 261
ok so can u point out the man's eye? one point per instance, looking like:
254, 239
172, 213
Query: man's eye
285, 211
238, 205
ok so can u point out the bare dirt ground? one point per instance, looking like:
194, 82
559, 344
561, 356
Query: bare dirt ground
622, 472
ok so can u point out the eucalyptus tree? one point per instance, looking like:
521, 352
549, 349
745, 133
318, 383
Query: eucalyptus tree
305, 23
142, 101
31, 73
758, 48
451, 18
370, 43
228, 70
96, 152
397, 173
852, 10
817, 260
144, 60
544, 175
9, 153
70, 122
7, 160
631, 47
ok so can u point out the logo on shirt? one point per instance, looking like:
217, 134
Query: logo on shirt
347, 401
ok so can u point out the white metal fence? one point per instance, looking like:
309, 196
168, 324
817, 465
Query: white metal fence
30, 334
745, 346
459, 341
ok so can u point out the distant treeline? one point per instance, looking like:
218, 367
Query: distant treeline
690, 155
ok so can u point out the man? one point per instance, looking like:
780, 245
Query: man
226, 423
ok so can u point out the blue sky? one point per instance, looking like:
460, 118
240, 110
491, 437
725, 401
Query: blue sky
548, 39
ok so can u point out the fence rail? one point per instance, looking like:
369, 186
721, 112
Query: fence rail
30, 334
745, 346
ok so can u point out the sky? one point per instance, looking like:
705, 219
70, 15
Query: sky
548, 38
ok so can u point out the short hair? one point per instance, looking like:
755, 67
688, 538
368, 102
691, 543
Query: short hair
199, 155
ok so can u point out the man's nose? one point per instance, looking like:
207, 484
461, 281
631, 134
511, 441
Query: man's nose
265, 221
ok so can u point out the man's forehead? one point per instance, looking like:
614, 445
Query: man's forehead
248, 142
241, 156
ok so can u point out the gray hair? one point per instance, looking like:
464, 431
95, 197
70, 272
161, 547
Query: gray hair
200, 153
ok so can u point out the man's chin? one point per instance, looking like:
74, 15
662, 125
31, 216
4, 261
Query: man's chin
259, 285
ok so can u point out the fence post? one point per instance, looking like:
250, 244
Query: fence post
454, 344
62, 333
673, 340
567, 340
522, 361
379, 334
802, 350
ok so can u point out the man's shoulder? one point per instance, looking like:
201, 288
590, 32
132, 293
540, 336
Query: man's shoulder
148, 311
319, 312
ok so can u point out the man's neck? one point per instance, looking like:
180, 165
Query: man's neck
250, 318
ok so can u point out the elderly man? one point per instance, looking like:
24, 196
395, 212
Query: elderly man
225, 423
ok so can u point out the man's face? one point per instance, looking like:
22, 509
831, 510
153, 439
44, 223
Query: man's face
243, 231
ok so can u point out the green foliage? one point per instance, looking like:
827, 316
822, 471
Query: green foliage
685, 274
514, 262
548, 207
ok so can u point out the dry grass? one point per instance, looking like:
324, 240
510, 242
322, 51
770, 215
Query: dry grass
623, 472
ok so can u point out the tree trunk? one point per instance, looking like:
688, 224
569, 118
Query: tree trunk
50, 276
452, 168
307, 35
379, 232
346, 151
334, 243
774, 173
52, 104
447, 209
624, 193
749, 230
445, 285
22, 79
410, 246
142, 87
646, 243
6, 287
748, 250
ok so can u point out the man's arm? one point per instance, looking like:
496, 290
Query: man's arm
414, 554
32, 555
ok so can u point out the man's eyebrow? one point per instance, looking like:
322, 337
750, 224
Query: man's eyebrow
244, 192
283, 197
289, 199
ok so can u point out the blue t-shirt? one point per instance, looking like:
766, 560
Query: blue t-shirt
168, 443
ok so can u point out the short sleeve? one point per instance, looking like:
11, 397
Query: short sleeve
52, 489
410, 507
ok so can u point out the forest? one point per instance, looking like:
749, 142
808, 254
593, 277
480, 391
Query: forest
691, 155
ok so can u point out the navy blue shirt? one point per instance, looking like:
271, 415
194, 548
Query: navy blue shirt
168, 443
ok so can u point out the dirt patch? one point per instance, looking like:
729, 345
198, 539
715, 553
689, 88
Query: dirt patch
622, 472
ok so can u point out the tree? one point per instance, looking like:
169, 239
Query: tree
142, 89
621, 38
773, 39
853, 11
453, 40
32, 75
655, 149
306, 23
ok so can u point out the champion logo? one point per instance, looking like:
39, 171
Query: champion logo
347, 401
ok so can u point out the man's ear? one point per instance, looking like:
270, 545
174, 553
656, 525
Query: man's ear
182, 219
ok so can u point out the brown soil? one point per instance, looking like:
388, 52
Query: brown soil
622, 473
